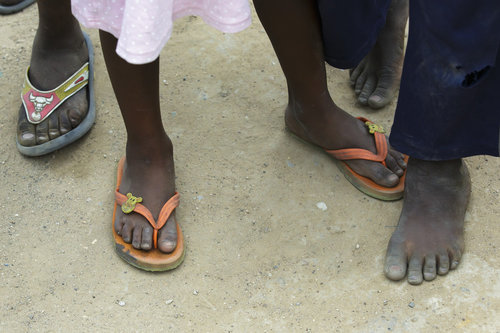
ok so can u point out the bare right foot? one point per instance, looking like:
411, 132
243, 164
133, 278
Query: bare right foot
429, 238
327, 126
376, 79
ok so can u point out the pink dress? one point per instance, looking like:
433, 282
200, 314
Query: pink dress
143, 27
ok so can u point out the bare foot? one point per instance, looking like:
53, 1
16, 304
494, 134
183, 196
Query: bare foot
327, 126
53, 61
148, 173
429, 238
376, 79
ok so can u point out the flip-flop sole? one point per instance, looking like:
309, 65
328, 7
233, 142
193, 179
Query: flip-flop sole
364, 184
369, 187
77, 132
153, 260
5, 10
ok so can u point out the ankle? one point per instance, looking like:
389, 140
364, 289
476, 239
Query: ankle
150, 149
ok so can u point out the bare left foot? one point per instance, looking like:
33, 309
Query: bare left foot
429, 238
376, 79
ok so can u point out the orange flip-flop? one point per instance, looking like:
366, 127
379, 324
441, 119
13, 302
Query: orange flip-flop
154, 259
362, 183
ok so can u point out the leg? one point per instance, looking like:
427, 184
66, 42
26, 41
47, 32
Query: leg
294, 29
446, 111
59, 49
149, 166
376, 79
429, 240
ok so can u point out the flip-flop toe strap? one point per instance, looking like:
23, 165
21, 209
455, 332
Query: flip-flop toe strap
165, 212
363, 154
140, 209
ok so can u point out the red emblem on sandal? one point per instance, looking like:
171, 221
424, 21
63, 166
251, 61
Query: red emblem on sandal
39, 104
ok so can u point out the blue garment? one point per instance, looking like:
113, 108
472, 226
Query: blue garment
350, 29
447, 107
448, 103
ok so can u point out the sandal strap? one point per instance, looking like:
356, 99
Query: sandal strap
39, 104
165, 212
363, 154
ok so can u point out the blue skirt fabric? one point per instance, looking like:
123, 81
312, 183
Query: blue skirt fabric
446, 107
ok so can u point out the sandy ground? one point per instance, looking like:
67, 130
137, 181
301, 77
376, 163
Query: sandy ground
261, 256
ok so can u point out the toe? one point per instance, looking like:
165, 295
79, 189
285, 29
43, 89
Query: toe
360, 81
395, 261
367, 90
355, 73
415, 270
42, 132
25, 130
118, 226
167, 237
53, 127
64, 122
127, 232
147, 238
75, 117
383, 93
430, 268
393, 165
383, 176
455, 256
137, 238
444, 264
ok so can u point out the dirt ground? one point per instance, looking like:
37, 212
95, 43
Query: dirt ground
261, 256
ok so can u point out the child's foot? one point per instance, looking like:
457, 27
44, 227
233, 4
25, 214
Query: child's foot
429, 237
52, 63
151, 176
376, 79
332, 128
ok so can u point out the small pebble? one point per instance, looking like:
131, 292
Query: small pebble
321, 205
169, 301
195, 292
357, 246
411, 305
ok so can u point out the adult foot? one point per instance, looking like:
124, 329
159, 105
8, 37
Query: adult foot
376, 79
53, 61
151, 176
429, 237
327, 126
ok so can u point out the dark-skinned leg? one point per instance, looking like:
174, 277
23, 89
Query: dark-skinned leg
429, 238
294, 29
149, 166
59, 50
376, 79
